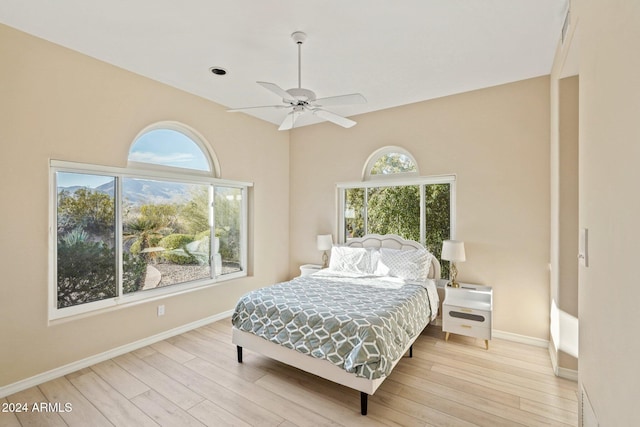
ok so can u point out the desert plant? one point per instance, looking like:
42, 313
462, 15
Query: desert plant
134, 272
175, 249
86, 271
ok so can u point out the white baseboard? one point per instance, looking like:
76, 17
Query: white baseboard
523, 339
109, 354
565, 373
568, 374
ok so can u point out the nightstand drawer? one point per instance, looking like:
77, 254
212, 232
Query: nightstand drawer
469, 316
469, 329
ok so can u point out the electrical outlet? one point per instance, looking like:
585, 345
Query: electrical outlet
161, 310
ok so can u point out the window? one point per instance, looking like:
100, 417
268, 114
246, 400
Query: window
411, 206
169, 147
125, 234
389, 161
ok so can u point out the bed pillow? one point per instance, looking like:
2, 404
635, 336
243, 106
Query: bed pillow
350, 260
408, 265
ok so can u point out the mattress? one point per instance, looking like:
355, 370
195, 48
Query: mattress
359, 323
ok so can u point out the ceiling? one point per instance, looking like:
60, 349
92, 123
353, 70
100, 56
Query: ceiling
394, 53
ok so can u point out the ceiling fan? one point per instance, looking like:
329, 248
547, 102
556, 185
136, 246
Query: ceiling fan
300, 100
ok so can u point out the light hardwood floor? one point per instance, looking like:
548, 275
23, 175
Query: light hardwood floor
193, 380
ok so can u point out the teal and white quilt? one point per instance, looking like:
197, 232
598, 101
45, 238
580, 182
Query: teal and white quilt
359, 323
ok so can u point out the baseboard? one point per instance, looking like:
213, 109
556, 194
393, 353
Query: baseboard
523, 339
109, 354
567, 374
553, 355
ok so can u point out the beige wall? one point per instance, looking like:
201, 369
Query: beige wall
609, 205
497, 143
58, 104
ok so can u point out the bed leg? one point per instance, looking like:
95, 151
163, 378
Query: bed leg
411, 351
239, 354
364, 398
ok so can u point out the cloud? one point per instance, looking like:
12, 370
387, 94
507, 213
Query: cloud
170, 159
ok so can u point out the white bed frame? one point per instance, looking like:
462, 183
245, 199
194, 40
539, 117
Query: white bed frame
321, 367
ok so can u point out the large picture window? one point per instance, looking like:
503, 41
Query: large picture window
125, 234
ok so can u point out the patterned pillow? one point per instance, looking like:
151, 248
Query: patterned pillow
350, 260
408, 265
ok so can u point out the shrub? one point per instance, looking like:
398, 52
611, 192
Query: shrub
86, 271
134, 272
174, 249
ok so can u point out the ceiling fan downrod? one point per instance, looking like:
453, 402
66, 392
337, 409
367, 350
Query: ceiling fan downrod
299, 37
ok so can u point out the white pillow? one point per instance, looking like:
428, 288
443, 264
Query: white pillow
350, 260
408, 265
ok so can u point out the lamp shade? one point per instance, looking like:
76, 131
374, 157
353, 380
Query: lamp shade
324, 242
453, 250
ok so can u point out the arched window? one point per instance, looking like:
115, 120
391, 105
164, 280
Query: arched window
390, 161
164, 224
172, 145
393, 198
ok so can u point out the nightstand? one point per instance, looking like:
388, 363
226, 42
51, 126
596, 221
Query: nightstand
467, 310
307, 269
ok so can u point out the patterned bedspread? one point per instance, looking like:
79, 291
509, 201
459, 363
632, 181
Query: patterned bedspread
361, 324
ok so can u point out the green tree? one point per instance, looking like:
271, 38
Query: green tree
195, 213
354, 212
85, 209
144, 232
395, 210
393, 163
164, 215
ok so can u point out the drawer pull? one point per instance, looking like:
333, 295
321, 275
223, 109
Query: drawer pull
467, 316
466, 310
465, 326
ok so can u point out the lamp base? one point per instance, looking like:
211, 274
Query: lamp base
453, 273
325, 260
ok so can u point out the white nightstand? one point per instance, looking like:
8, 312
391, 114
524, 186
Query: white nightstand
307, 269
467, 310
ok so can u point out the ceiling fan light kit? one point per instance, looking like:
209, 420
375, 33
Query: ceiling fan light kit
301, 100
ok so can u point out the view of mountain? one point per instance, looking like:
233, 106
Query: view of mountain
143, 191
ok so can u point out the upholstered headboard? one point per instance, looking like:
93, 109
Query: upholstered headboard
393, 241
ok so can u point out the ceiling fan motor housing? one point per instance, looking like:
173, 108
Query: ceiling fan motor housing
301, 94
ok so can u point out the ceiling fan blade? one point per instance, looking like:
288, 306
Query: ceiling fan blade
272, 87
290, 119
334, 118
242, 109
353, 98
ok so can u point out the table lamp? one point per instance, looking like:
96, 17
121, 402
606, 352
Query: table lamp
325, 242
453, 251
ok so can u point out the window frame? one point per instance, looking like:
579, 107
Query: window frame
376, 155
393, 181
122, 299
197, 138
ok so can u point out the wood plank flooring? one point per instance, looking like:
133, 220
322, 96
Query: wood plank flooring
194, 380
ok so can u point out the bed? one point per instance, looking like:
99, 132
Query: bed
350, 323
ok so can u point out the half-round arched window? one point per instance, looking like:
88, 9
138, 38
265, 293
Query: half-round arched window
173, 145
164, 224
390, 161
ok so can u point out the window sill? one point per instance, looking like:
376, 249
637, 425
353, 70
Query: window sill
58, 316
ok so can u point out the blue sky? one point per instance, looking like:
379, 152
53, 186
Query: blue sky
161, 147
68, 179
170, 148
